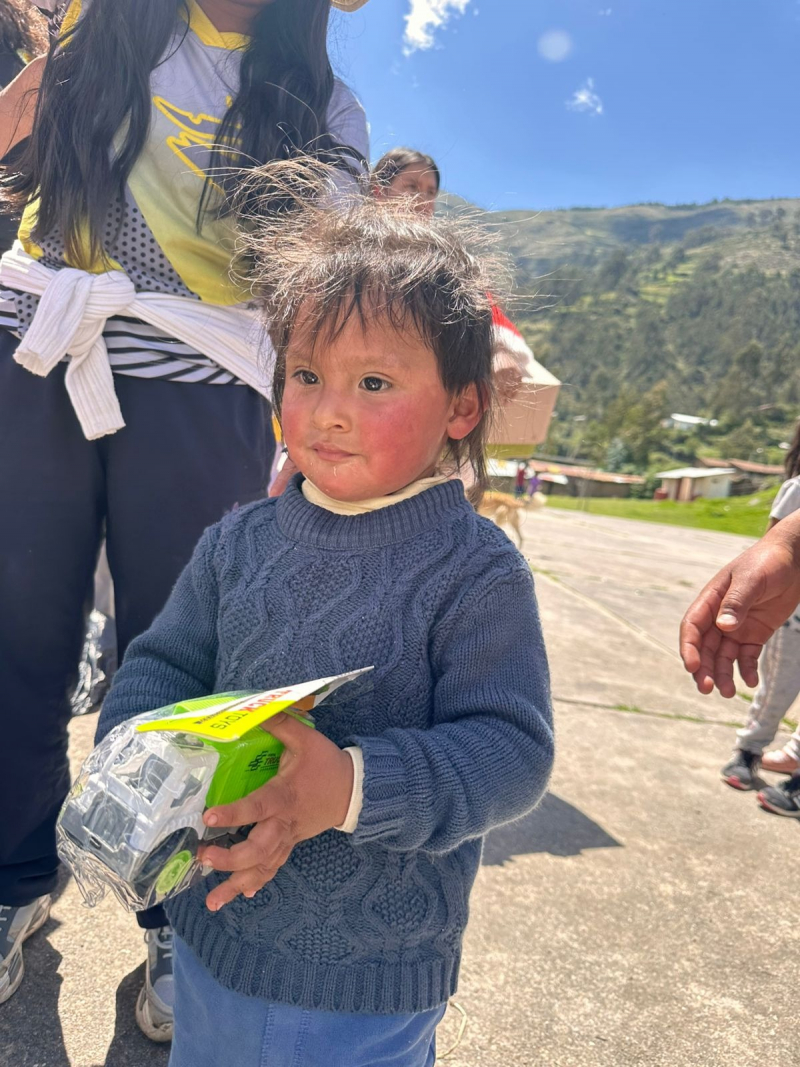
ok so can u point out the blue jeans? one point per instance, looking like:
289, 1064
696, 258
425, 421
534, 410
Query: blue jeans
215, 1027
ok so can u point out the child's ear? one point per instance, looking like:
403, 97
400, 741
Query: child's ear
466, 413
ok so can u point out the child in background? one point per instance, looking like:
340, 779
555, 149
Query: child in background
779, 688
337, 937
519, 480
405, 173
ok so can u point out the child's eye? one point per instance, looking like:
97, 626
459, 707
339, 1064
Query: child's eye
306, 377
375, 385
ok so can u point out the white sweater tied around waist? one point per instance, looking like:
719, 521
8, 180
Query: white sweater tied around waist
73, 310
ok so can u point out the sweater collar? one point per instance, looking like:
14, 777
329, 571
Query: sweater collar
361, 507
302, 521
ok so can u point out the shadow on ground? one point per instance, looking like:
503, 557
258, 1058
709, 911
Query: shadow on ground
21, 1044
30, 1029
555, 827
129, 1047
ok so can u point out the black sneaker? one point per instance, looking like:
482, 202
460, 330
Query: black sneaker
783, 799
741, 770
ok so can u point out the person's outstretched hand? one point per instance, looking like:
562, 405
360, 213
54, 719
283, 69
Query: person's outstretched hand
740, 609
310, 794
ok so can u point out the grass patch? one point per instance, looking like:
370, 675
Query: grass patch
633, 709
544, 571
745, 515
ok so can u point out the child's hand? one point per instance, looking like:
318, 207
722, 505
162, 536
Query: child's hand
310, 794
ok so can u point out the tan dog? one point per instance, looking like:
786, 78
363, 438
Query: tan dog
504, 509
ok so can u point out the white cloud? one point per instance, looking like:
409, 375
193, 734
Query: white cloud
604, 11
586, 99
425, 17
554, 45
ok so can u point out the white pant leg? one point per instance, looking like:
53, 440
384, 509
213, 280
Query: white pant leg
780, 685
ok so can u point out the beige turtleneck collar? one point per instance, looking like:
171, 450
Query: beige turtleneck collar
361, 507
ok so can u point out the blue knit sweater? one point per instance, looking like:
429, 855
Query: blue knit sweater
454, 723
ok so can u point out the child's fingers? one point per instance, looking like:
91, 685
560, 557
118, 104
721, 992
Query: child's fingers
259, 805
241, 882
262, 843
247, 882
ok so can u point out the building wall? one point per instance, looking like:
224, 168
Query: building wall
713, 488
688, 489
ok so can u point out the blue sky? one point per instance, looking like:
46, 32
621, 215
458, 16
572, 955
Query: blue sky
668, 100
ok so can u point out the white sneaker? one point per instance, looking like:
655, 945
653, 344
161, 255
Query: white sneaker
156, 997
17, 924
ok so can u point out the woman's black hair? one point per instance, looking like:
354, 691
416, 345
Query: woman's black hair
396, 160
22, 28
95, 91
792, 462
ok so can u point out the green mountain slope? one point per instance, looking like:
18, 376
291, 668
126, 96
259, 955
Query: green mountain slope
693, 308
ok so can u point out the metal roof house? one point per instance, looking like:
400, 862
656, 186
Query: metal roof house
689, 483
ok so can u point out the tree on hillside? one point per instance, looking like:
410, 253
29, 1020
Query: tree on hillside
742, 389
612, 271
742, 442
629, 430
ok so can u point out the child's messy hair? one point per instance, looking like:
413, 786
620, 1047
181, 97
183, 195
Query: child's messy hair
337, 256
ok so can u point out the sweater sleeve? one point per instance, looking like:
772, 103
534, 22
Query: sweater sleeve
487, 758
176, 658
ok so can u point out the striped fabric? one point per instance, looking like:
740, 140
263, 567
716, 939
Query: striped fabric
137, 349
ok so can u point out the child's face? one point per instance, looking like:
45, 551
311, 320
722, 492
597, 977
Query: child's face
417, 182
367, 414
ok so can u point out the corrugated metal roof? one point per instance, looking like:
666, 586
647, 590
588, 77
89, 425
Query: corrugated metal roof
499, 468
696, 472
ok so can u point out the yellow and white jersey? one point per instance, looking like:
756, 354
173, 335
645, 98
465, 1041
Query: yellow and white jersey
159, 245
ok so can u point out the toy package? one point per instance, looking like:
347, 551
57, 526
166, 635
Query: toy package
133, 820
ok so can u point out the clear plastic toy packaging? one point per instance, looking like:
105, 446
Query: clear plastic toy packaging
133, 820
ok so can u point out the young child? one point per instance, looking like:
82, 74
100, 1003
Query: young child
779, 688
333, 934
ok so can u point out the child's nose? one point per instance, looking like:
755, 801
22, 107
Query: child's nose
330, 412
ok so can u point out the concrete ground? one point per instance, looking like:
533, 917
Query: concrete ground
638, 917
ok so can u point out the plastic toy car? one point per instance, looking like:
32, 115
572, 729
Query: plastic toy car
133, 820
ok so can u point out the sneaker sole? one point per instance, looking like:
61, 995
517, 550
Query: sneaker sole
156, 1031
15, 965
765, 804
737, 783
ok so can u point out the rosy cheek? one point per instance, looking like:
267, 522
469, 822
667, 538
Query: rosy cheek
294, 420
399, 428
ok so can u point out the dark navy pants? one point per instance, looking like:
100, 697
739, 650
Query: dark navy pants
188, 453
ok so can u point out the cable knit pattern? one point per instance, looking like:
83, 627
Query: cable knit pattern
454, 723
